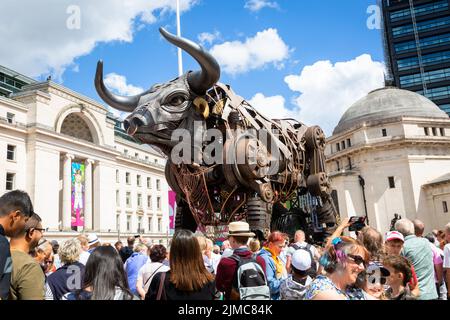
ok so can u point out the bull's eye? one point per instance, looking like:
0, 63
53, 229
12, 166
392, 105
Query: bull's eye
177, 100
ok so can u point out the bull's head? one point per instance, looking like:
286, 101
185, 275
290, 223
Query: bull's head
157, 112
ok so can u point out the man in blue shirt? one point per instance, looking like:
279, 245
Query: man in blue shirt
15, 209
419, 253
134, 263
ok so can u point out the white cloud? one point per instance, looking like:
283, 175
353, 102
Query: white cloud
256, 5
208, 38
266, 47
327, 90
118, 84
39, 41
272, 107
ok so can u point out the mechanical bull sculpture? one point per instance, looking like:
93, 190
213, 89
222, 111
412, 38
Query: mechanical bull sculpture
285, 165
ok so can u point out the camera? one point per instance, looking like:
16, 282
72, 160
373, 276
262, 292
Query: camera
357, 223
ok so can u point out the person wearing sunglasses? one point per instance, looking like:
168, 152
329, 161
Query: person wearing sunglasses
376, 279
42, 253
50, 265
15, 209
343, 260
27, 278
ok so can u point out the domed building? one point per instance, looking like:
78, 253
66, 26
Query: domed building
390, 154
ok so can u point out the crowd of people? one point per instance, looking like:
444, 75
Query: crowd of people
403, 264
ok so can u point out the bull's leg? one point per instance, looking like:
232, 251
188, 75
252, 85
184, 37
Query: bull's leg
326, 216
183, 217
289, 221
258, 216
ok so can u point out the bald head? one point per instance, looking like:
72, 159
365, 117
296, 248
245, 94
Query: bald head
299, 236
419, 228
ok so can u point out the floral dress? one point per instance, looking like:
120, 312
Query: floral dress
321, 284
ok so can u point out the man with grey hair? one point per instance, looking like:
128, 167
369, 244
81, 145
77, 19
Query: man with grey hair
446, 264
134, 263
300, 243
418, 252
419, 229
405, 227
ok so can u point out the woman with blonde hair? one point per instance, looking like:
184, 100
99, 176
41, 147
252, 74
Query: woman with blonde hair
206, 247
343, 260
58, 282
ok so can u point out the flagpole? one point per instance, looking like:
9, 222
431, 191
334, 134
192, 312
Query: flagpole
180, 59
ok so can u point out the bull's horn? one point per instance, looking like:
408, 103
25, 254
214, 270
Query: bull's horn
126, 104
199, 81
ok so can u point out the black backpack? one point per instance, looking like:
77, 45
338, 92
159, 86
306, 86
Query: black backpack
313, 271
250, 280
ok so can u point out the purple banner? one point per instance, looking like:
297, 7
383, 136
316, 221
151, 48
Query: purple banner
172, 210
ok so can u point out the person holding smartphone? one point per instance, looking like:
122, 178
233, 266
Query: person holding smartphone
365, 288
354, 223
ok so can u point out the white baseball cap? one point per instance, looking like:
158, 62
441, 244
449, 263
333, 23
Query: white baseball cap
394, 235
301, 260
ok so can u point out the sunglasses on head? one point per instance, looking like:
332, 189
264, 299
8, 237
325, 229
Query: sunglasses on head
357, 259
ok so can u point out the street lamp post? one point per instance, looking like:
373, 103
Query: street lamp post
167, 236
180, 58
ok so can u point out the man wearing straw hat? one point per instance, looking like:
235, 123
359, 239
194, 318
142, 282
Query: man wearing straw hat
238, 236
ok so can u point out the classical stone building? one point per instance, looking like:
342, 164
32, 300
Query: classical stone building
390, 154
80, 169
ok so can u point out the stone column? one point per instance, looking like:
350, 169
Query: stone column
67, 192
88, 195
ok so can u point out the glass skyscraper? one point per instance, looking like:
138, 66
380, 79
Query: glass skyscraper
417, 47
12, 81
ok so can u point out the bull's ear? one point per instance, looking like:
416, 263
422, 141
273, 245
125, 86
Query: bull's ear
201, 106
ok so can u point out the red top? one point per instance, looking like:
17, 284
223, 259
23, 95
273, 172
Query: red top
228, 267
413, 282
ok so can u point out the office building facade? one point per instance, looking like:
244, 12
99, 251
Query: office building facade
417, 47
83, 173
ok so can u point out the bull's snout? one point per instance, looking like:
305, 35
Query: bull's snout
132, 123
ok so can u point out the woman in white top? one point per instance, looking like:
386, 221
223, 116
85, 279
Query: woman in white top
158, 254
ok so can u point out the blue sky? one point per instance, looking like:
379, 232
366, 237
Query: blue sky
290, 42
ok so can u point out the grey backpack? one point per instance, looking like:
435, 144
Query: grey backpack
250, 280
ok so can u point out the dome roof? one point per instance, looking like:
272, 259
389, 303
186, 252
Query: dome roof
386, 103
